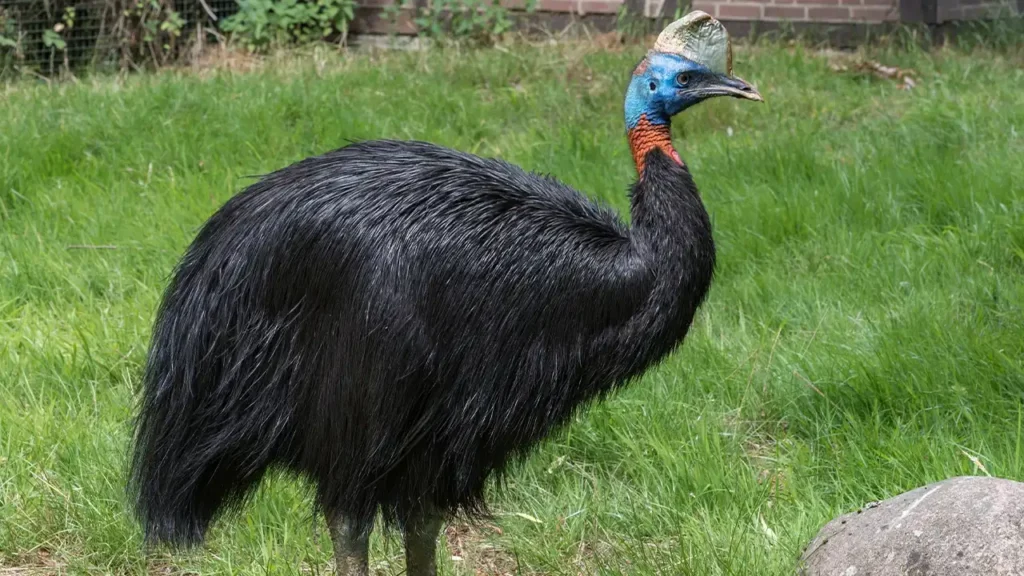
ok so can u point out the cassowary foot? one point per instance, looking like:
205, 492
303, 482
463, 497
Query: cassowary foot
351, 547
421, 546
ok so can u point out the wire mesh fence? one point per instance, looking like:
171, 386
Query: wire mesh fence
205, 10
46, 36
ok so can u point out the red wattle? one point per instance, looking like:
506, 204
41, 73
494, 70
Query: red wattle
645, 137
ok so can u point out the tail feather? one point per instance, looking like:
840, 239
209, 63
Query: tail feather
210, 418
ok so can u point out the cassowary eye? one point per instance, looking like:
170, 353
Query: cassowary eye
653, 86
683, 79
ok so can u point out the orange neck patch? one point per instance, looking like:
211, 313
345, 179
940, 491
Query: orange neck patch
645, 137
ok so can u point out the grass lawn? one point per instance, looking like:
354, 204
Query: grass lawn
864, 336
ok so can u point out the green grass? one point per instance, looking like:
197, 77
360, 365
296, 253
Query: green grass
864, 335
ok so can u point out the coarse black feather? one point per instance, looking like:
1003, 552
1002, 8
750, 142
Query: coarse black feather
395, 321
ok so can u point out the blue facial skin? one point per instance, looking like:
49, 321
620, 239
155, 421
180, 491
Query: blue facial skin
671, 84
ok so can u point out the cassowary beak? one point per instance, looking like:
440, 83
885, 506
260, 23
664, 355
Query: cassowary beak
735, 87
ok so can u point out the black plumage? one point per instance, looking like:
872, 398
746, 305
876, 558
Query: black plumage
395, 320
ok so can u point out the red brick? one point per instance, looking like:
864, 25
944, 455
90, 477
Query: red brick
579, 6
850, 2
555, 5
828, 14
872, 14
709, 6
600, 6
892, 3
976, 12
739, 11
972, 13
785, 13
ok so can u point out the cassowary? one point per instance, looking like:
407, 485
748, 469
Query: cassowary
396, 321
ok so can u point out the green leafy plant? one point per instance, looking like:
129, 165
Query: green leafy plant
10, 42
54, 39
150, 31
476, 21
263, 23
8, 32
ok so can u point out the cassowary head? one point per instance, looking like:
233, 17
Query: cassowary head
690, 62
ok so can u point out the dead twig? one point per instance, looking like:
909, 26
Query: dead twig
905, 77
208, 11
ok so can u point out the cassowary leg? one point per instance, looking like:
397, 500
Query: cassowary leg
421, 546
351, 546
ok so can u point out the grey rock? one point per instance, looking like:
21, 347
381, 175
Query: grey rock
964, 526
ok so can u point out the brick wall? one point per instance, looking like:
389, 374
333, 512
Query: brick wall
802, 10
555, 14
841, 11
370, 17
974, 9
851, 11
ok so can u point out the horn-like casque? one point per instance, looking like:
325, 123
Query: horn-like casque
700, 38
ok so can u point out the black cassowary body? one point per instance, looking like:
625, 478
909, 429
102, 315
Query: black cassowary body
396, 320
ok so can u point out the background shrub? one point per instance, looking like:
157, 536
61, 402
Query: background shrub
50, 36
262, 23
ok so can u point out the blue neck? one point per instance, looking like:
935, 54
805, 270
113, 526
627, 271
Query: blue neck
639, 103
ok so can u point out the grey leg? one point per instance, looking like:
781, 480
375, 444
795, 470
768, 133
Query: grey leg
421, 546
351, 547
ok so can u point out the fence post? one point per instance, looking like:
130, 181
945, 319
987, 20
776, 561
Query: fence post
920, 11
